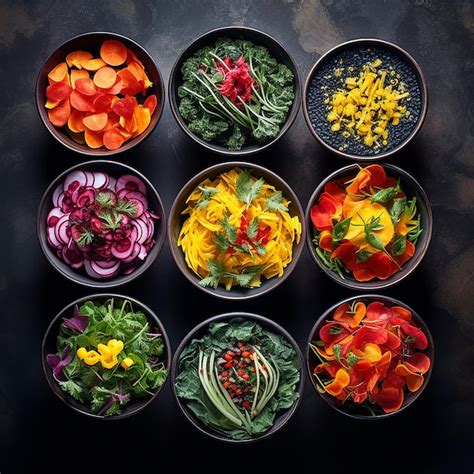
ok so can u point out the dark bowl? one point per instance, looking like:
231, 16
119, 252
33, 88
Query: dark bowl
176, 220
198, 332
234, 32
397, 52
312, 361
48, 346
79, 276
412, 188
91, 42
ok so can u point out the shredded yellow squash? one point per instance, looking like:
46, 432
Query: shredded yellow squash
238, 228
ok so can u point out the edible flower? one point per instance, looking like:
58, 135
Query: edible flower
127, 363
109, 352
78, 322
236, 82
57, 364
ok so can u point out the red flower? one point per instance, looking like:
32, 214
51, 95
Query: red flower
237, 81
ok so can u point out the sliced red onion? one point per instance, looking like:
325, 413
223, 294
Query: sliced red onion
74, 179
100, 180
132, 183
59, 189
54, 215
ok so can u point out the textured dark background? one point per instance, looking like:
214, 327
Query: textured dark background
434, 435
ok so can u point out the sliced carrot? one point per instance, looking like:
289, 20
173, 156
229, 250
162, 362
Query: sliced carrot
58, 73
150, 103
113, 52
112, 121
113, 139
137, 71
95, 122
58, 91
131, 56
124, 133
75, 122
77, 74
130, 84
93, 64
124, 107
129, 124
81, 102
86, 86
143, 118
103, 103
51, 104
105, 77
93, 139
60, 114
77, 57
116, 88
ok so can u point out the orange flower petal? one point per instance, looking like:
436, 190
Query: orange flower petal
418, 362
334, 388
390, 399
414, 382
372, 352
325, 240
360, 182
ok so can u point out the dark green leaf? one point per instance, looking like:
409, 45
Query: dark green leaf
397, 207
362, 256
206, 196
275, 202
340, 229
398, 247
247, 188
383, 196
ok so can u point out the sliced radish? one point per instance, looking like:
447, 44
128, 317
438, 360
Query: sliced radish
139, 205
112, 183
90, 178
52, 237
134, 254
143, 252
132, 183
105, 264
85, 198
54, 215
74, 179
122, 249
105, 272
100, 180
129, 269
63, 233
72, 256
59, 189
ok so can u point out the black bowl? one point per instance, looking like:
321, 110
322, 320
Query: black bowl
413, 73
79, 276
91, 42
176, 220
198, 332
412, 188
312, 360
48, 346
234, 32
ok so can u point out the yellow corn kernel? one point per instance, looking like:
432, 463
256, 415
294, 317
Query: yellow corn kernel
127, 363
92, 358
81, 352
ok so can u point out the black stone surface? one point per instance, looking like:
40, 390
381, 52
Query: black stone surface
434, 435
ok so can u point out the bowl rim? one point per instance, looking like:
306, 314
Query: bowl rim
266, 323
292, 113
397, 277
99, 284
150, 314
217, 169
393, 302
101, 152
423, 89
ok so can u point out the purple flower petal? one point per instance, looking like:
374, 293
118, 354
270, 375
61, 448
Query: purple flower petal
78, 322
57, 364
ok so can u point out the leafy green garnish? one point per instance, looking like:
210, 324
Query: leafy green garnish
384, 196
126, 207
340, 229
398, 246
218, 271
86, 238
362, 256
206, 196
396, 209
248, 189
275, 202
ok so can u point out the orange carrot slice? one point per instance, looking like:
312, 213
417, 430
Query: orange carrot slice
51, 104
113, 139
139, 74
130, 84
113, 52
75, 122
60, 114
124, 107
93, 64
103, 103
131, 56
77, 74
86, 86
95, 122
77, 57
58, 91
150, 103
124, 133
112, 121
129, 124
105, 77
143, 118
81, 102
58, 73
93, 139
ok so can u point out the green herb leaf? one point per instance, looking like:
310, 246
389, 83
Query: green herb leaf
335, 329
247, 188
111, 219
275, 202
383, 196
399, 245
253, 228
337, 348
126, 207
396, 209
362, 256
217, 271
85, 238
352, 359
340, 229
374, 240
206, 196
104, 199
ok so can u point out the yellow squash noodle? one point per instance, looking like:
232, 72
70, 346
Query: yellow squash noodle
197, 235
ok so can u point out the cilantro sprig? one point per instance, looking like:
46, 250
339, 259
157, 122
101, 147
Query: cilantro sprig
218, 272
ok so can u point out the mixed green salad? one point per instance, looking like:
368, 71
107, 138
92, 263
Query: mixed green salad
108, 355
234, 92
238, 377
